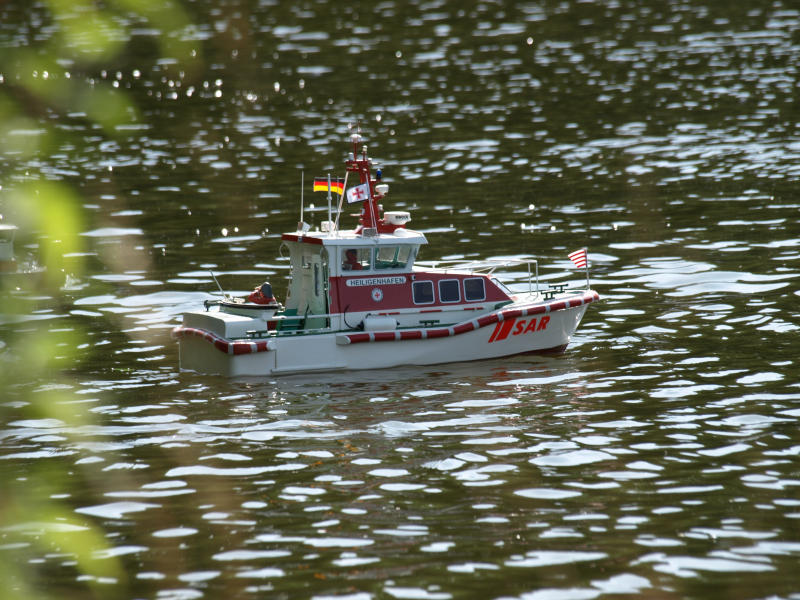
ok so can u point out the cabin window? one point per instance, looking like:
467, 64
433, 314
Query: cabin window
449, 290
423, 292
355, 259
474, 289
392, 257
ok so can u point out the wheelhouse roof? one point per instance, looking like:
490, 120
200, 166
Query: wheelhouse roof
351, 238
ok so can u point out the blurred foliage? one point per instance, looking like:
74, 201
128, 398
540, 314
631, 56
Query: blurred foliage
53, 57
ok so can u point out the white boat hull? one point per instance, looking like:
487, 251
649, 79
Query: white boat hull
514, 329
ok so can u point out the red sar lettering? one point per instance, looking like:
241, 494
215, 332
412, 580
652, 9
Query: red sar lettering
503, 329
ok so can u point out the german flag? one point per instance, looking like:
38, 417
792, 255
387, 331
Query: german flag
321, 184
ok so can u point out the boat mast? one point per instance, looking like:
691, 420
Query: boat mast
329, 199
370, 210
302, 179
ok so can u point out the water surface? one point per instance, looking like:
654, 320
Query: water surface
657, 456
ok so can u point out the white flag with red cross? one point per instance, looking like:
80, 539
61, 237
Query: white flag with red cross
358, 193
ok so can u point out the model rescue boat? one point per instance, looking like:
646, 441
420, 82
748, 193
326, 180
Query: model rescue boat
358, 300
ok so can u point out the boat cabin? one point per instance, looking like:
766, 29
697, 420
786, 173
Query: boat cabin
368, 277
343, 281
346, 279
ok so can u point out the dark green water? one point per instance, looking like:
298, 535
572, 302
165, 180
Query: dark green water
658, 457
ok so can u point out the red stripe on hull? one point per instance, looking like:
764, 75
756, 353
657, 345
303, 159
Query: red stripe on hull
505, 323
437, 333
359, 337
488, 320
411, 335
464, 328
221, 344
384, 336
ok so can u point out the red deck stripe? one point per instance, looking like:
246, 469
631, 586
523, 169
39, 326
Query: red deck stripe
239, 347
506, 317
414, 334
384, 336
487, 320
437, 333
221, 344
463, 328
357, 338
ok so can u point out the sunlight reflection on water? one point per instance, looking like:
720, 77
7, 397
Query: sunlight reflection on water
656, 456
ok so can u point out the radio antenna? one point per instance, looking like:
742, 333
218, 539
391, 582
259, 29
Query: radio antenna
221, 291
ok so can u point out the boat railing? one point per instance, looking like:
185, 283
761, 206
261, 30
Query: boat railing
488, 267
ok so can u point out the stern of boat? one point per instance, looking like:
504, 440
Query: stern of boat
220, 343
